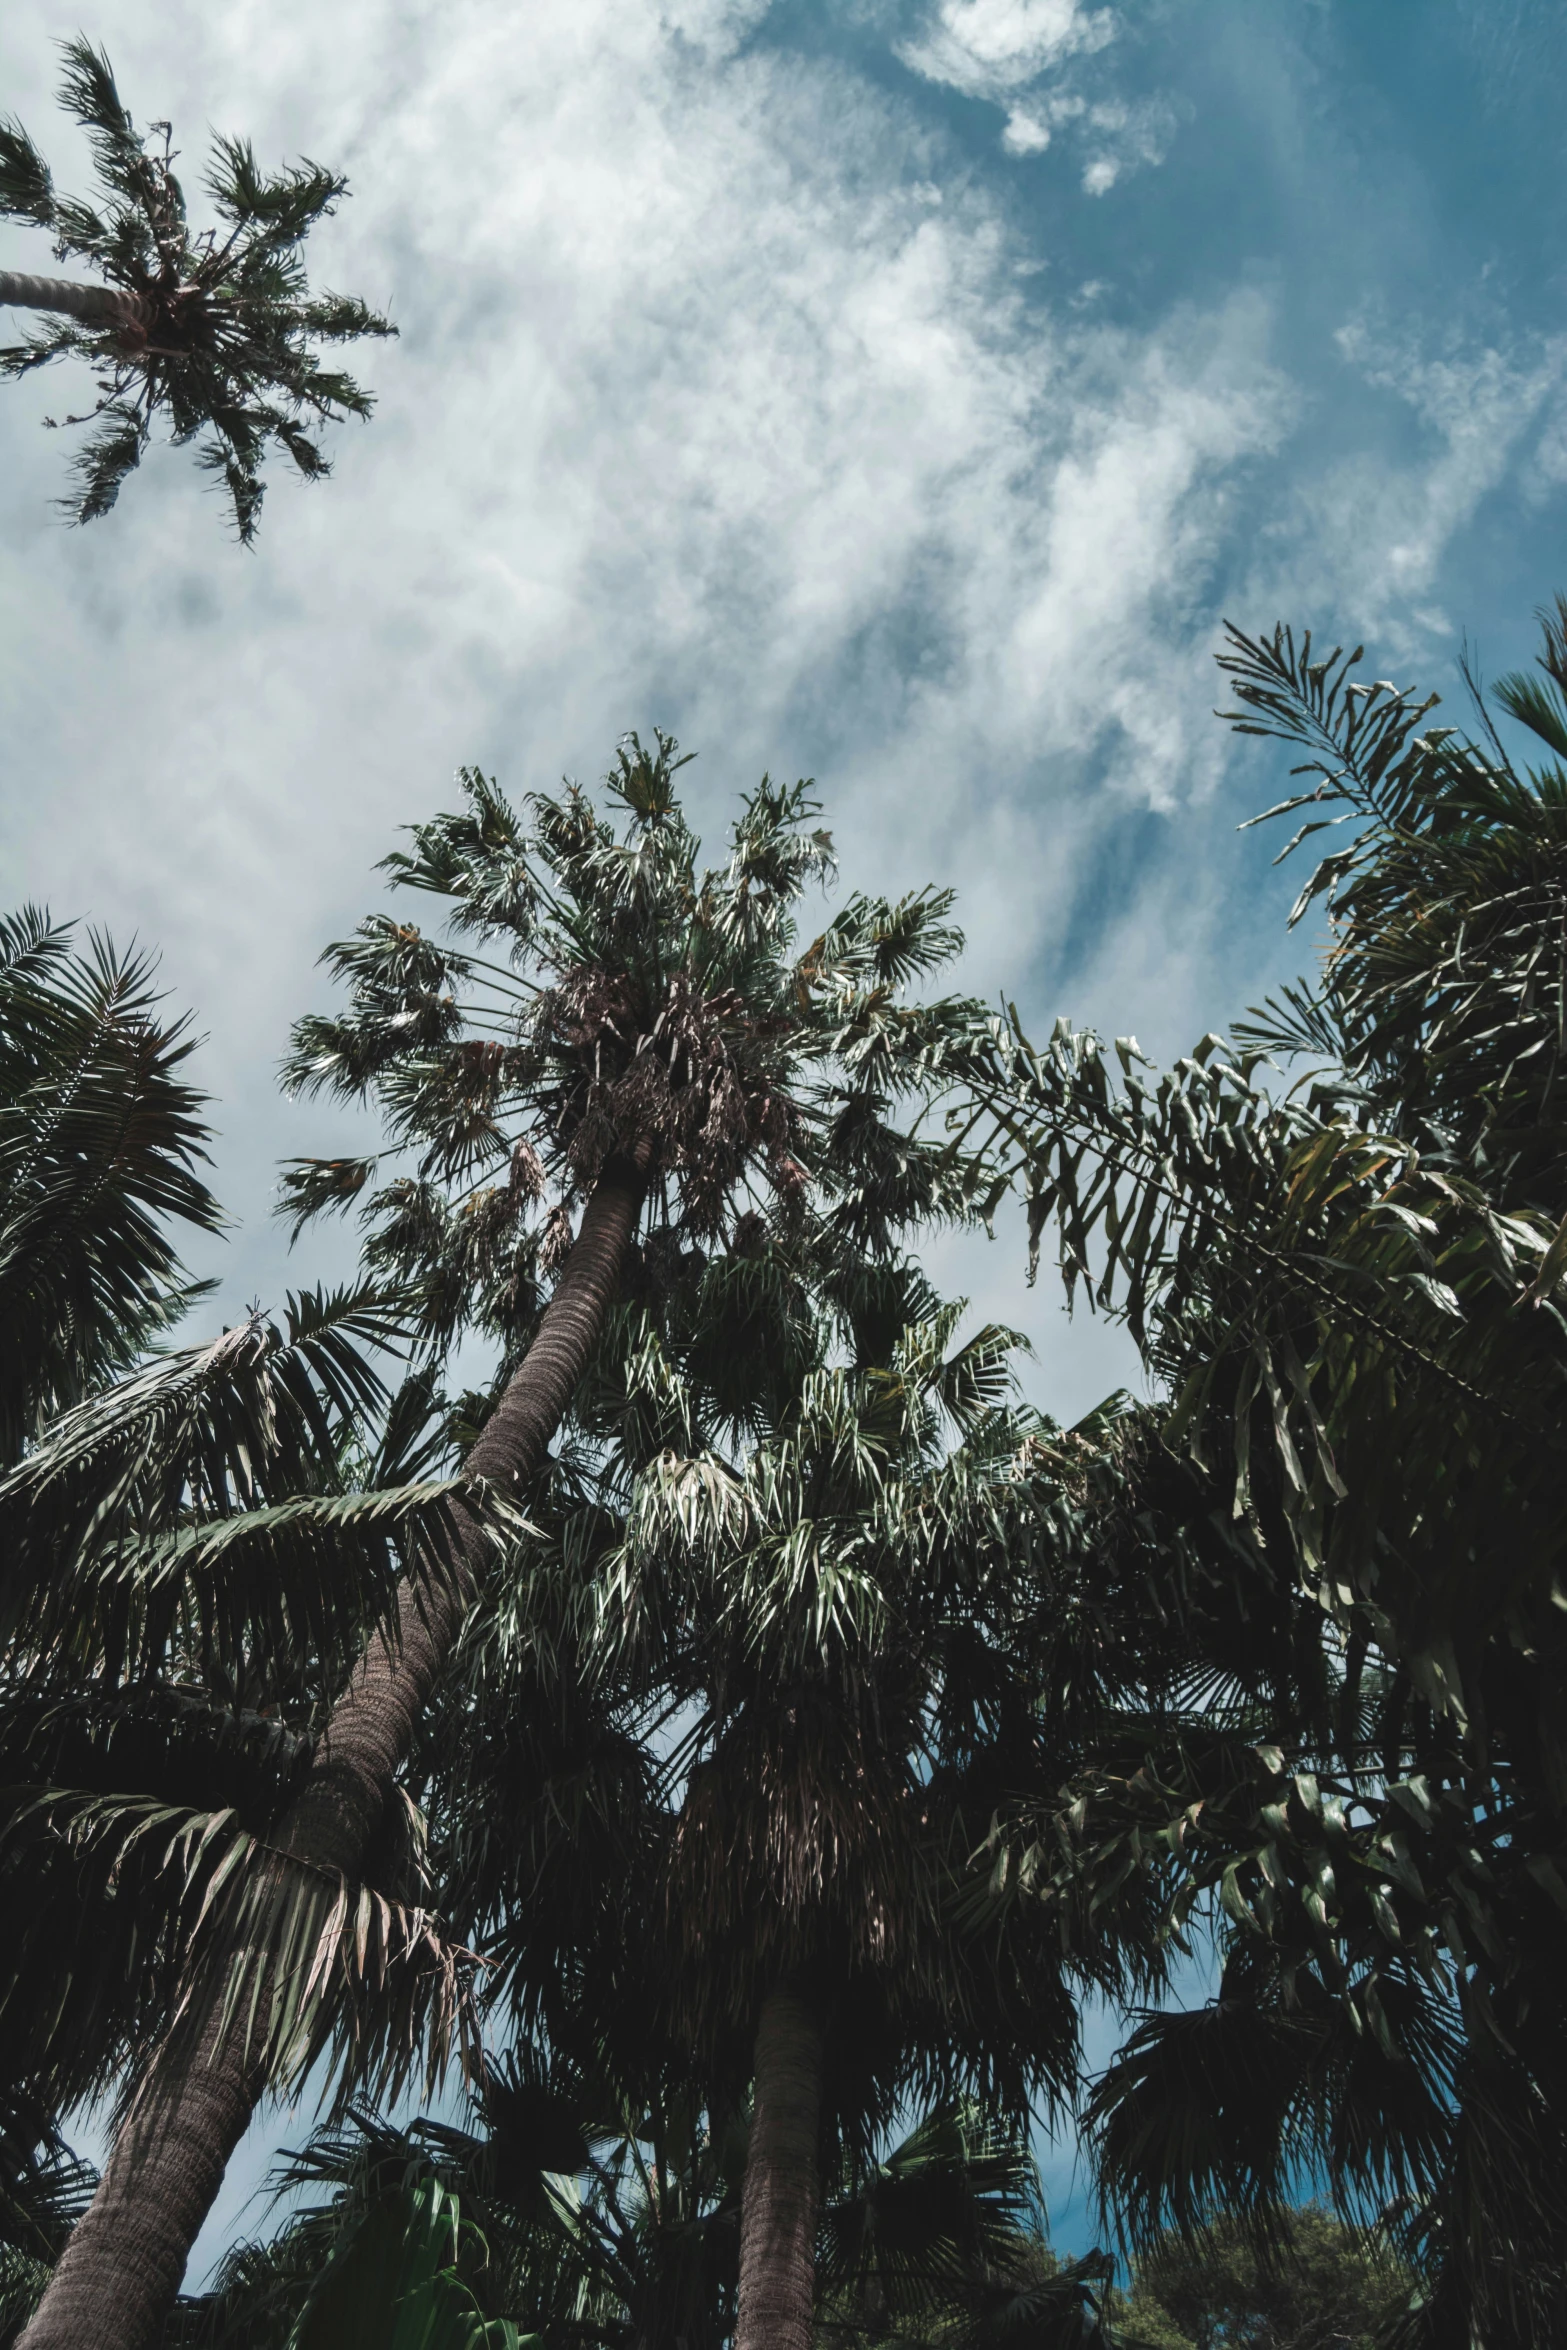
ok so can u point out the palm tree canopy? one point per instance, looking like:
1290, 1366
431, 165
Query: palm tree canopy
212, 331
193, 1539
629, 1003
755, 1683
193, 1559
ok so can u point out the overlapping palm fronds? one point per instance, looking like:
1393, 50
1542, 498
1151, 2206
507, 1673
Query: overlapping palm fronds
192, 1547
627, 1001
204, 1507
844, 1619
584, 2226
896, 1601
213, 331
102, 1142
1353, 1291
43, 2189
191, 1582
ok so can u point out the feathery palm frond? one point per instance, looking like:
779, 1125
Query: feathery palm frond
585, 2225
195, 1510
1354, 1294
101, 1143
626, 1001
216, 331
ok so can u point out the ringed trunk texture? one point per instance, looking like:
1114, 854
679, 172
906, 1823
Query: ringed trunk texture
121, 2269
92, 305
778, 2205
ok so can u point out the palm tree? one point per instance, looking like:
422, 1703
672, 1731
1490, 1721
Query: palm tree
178, 1549
563, 1804
1353, 1294
587, 2223
651, 1041
857, 1626
214, 331
565, 1840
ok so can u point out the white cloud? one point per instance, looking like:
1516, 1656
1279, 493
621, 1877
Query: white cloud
1370, 533
1122, 138
986, 47
1025, 133
1003, 50
703, 411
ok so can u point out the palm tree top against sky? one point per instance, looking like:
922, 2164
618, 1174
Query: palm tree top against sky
210, 332
602, 993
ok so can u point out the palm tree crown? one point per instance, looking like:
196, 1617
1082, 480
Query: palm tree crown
213, 330
633, 1008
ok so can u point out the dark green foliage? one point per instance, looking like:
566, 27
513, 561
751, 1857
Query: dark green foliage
1320, 2286
588, 2224
749, 1697
195, 1558
1443, 1000
43, 2191
1353, 1294
218, 338
941, 2240
101, 1145
193, 1545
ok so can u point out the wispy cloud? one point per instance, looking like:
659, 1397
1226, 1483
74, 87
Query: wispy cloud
713, 404
1370, 533
1014, 52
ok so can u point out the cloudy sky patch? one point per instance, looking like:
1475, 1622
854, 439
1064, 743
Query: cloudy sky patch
763, 375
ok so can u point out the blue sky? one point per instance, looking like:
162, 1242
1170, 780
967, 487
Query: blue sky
895, 391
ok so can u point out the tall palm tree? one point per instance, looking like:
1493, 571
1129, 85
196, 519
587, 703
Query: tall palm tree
214, 331
651, 1041
860, 1623
181, 1554
575, 1755
565, 1843
1353, 1291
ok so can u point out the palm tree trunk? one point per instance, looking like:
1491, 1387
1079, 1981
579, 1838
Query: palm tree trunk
778, 2207
122, 2267
92, 305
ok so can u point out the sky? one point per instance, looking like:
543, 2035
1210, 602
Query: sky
895, 392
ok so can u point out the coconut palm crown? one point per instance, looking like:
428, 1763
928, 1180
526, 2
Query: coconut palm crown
629, 1006
213, 330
